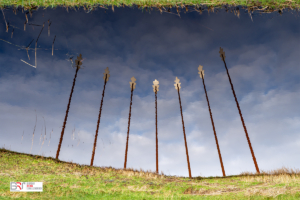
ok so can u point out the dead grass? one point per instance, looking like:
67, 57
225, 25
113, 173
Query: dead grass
270, 192
282, 175
280, 171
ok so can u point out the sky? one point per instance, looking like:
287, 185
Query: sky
262, 57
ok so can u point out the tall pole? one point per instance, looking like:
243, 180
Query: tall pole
106, 76
78, 64
177, 87
155, 90
222, 55
132, 86
201, 72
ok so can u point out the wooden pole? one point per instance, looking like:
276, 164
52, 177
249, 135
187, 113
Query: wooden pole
78, 63
99, 116
186, 148
212, 121
66, 116
156, 131
132, 88
155, 90
222, 54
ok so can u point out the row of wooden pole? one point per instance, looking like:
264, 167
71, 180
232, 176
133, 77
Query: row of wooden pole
156, 89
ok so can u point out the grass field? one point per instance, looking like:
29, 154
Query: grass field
162, 5
66, 180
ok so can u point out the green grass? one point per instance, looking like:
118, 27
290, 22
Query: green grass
89, 4
66, 180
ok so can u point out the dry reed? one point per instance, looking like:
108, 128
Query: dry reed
28, 63
50, 137
49, 28
36, 44
73, 131
22, 137
41, 136
33, 131
28, 48
44, 135
53, 44
6, 24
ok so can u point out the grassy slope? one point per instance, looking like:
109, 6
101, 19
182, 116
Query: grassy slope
252, 4
62, 180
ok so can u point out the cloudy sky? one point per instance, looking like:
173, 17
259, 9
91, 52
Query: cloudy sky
262, 57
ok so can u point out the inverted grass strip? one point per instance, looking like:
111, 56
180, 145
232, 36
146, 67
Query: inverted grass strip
91, 5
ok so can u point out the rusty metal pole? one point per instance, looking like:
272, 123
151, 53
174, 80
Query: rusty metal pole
222, 55
78, 63
177, 87
106, 76
201, 72
132, 86
155, 90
